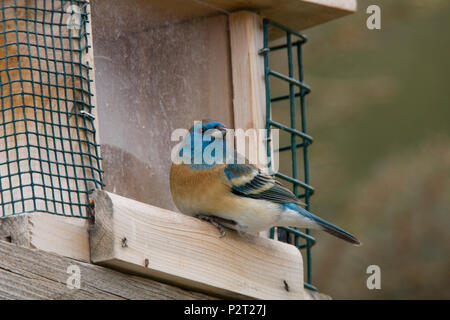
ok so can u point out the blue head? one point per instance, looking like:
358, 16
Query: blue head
205, 145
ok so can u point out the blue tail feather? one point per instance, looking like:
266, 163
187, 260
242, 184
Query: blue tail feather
327, 226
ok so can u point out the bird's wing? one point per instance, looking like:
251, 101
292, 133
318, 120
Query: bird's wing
248, 181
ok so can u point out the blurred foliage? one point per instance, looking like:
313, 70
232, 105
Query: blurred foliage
380, 114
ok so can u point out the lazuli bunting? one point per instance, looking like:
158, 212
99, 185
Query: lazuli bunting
234, 194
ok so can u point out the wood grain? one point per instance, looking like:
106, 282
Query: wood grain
246, 39
182, 250
35, 274
65, 236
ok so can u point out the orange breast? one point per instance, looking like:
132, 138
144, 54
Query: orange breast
198, 191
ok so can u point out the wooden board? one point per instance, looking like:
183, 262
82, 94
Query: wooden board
168, 246
65, 236
249, 98
296, 14
35, 274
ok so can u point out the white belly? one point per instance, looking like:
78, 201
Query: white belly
251, 215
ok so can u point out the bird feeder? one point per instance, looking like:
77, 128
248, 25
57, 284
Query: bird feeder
90, 94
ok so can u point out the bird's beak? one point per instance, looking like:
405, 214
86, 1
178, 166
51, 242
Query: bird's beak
219, 132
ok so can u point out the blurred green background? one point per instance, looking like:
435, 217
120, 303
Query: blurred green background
380, 115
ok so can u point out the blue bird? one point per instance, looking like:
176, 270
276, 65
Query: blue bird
234, 194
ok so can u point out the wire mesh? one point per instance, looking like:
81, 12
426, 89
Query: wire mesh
297, 90
49, 158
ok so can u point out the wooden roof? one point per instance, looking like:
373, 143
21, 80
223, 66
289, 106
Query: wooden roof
296, 14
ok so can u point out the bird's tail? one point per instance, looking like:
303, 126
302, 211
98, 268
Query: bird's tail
330, 228
336, 231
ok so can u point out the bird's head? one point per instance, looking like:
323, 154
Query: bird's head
206, 141
209, 129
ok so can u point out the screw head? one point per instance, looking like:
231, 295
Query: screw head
124, 242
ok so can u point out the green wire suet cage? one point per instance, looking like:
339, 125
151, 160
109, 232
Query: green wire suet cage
48, 152
299, 139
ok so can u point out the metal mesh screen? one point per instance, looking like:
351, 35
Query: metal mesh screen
299, 137
48, 152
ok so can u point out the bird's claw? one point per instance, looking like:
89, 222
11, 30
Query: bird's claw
214, 223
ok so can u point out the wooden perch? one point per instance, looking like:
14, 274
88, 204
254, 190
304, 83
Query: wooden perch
171, 247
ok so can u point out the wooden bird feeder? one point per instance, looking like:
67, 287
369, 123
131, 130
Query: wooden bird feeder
90, 93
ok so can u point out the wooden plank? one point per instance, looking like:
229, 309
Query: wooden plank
296, 14
65, 236
284, 5
182, 250
35, 274
15, 230
246, 39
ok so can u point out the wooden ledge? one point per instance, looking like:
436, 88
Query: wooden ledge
171, 247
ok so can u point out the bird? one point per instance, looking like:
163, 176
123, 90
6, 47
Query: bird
210, 182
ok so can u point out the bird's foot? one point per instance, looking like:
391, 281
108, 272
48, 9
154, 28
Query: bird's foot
214, 222
245, 234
